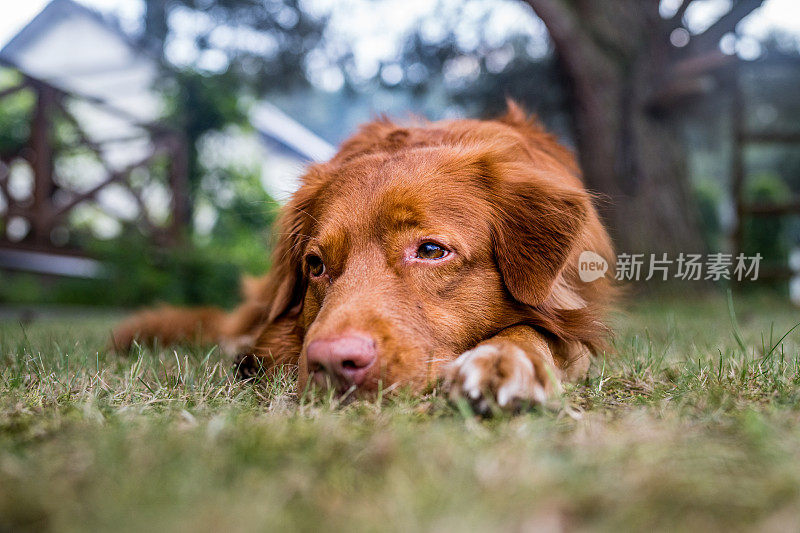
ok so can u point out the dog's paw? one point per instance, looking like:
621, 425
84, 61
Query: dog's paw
246, 366
498, 375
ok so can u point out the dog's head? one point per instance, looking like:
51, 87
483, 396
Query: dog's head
414, 244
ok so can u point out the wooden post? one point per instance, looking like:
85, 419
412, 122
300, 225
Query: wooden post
737, 158
179, 183
41, 160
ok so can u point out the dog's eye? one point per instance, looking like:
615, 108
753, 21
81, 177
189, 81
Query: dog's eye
316, 267
431, 250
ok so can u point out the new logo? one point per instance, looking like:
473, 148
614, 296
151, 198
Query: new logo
591, 266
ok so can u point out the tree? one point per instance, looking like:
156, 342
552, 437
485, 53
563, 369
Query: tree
623, 74
274, 37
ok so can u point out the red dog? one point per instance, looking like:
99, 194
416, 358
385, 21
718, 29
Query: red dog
447, 248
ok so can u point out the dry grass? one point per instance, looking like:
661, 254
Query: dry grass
691, 423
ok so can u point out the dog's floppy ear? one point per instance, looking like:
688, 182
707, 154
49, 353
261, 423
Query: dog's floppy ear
537, 224
286, 284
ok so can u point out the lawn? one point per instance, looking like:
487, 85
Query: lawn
690, 422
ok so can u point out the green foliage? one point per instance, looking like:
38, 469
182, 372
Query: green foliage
198, 102
22, 288
15, 114
206, 270
137, 274
709, 196
243, 228
239, 198
766, 235
288, 27
532, 81
140, 273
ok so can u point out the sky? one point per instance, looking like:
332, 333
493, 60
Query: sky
783, 15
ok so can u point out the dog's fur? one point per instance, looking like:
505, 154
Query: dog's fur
504, 316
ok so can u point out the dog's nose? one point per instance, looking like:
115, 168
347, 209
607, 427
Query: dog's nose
347, 358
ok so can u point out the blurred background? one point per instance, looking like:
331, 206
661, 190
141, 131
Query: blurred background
145, 145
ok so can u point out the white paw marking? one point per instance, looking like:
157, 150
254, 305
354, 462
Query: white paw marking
521, 382
520, 385
472, 373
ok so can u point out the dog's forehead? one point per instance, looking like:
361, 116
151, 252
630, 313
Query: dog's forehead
400, 194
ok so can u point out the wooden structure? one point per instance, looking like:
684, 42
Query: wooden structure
85, 74
719, 75
744, 136
86, 78
46, 210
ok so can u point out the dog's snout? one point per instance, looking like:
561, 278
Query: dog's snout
347, 358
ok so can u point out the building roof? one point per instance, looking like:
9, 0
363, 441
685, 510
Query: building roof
278, 127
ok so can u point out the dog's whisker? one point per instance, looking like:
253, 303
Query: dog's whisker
290, 206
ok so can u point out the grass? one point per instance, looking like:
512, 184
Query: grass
691, 423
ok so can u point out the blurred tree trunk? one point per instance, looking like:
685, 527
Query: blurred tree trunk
624, 75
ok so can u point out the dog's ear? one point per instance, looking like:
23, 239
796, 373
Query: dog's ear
536, 227
286, 285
